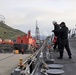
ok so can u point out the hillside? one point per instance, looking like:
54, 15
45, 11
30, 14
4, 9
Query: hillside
7, 32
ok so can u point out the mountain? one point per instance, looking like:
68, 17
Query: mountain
7, 32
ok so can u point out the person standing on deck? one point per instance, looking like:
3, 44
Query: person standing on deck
64, 40
56, 34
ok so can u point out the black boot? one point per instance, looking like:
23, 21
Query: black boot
70, 57
59, 57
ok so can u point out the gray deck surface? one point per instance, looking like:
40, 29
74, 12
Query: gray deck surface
69, 64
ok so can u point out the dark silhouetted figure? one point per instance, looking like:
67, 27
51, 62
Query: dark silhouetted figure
56, 28
63, 32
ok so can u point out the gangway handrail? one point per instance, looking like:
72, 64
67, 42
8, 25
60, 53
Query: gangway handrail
40, 50
33, 58
40, 60
36, 56
30, 57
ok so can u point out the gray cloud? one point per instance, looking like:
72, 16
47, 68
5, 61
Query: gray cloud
22, 14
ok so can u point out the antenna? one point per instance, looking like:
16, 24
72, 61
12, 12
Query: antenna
37, 34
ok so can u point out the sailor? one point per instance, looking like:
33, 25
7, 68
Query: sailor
56, 36
63, 32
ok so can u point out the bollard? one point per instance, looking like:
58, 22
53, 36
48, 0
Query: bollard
20, 63
17, 72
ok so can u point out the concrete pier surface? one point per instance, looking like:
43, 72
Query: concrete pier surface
8, 62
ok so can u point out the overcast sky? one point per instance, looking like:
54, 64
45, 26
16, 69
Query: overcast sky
22, 14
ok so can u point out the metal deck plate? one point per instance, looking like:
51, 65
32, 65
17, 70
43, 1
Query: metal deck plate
54, 71
55, 66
